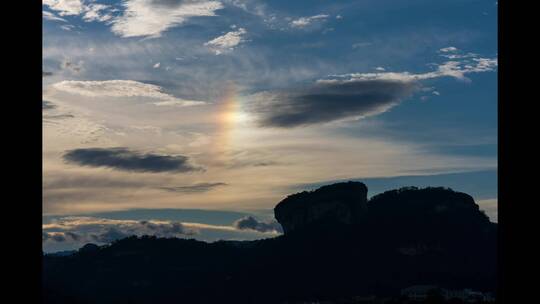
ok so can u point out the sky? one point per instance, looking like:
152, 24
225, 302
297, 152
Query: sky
188, 118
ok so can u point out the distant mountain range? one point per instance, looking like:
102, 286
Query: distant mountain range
336, 243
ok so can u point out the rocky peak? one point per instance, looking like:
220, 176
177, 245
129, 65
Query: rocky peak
342, 203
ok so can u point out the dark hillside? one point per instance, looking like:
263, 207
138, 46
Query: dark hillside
337, 244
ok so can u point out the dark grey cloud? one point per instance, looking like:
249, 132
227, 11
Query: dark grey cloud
47, 105
196, 188
121, 158
251, 223
329, 101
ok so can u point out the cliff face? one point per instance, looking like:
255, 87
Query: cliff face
342, 203
429, 211
432, 211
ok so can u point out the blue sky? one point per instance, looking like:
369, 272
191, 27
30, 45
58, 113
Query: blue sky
229, 105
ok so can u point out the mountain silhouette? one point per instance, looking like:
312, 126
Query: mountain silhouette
336, 243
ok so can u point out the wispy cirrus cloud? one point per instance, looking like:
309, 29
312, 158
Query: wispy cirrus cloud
66, 7
52, 17
458, 68
89, 11
195, 188
142, 18
97, 12
123, 88
62, 182
139, 18
67, 27
127, 160
304, 22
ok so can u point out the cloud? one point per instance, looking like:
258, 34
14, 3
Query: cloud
166, 229
47, 105
254, 7
52, 17
84, 229
96, 12
123, 88
72, 66
78, 129
326, 102
62, 182
179, 103
65, 7
60, 237
355, 95
251, 223
47, 74
227, 42
57, 237
90, 12
58, 116
455, 69
195, 188
307, 21
448, 49
143, 18
101, 230
140, 18
156, 66
67, 27
124, 159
